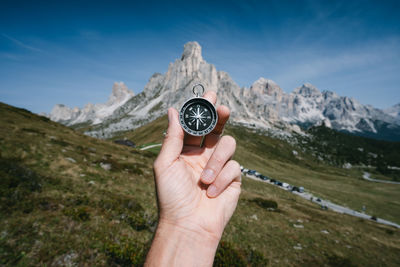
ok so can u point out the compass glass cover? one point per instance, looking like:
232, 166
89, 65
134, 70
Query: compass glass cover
198, 116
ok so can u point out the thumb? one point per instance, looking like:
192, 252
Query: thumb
173, 141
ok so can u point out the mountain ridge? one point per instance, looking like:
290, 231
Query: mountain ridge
263, 105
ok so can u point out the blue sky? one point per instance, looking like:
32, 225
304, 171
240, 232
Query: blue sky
71, 52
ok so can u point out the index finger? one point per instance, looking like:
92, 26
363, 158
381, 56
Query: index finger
223, 116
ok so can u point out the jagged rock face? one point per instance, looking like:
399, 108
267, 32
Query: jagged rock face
263, 105
92, 113
62, 113
173, 89
394, 112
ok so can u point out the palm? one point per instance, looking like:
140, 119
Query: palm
184, 198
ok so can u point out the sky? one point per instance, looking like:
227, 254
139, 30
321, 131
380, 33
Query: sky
71, 52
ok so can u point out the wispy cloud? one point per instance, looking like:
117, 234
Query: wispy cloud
21, 44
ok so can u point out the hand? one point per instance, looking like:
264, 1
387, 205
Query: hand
197, 187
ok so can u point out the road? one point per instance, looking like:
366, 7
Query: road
150, 146
330, 205
367, 176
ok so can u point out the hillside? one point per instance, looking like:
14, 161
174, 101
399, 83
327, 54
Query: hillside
276, 158
67, 198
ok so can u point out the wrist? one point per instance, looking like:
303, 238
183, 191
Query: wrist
182, 245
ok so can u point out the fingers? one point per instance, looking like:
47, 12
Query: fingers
223, 116
223, 152
191, 140
230, 172
173, 141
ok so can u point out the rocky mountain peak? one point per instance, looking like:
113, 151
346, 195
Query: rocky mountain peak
394, 111
307, 90
61, 112
119, 93
192, 50
266, 87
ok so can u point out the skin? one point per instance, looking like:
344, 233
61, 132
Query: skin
197, 190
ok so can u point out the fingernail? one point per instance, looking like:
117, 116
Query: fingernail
212, 191
207, 176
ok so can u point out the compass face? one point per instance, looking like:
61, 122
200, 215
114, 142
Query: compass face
198, 116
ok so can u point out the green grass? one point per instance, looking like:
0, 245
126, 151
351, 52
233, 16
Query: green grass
274, 158
59, 206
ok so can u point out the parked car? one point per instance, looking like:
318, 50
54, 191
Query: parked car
301, 189
278, 183
272, 181
296, 188
263, 177
251, 172
318, 199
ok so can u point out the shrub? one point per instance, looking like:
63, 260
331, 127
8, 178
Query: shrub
265, 203
136, 221
16, 184
338, 261
227, 255
126, 253
78, 213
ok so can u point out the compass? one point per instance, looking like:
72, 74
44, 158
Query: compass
198, 116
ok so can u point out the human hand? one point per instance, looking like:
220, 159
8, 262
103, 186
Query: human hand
197, 187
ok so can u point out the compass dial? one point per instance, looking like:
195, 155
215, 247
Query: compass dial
198, 116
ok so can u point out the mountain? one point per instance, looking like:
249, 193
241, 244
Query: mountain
264, 105
394, 111
92, 113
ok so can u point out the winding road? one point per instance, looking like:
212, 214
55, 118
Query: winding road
150, 146
367, 176
330, 205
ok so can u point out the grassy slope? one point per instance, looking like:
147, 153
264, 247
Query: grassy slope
56, 211
275, 158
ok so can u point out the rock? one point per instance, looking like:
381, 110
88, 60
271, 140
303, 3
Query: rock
298, 247
105, 166
324, 232
347, 166
254, 217
125, 142
66, 259
298, 226
91, 183
71, 160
